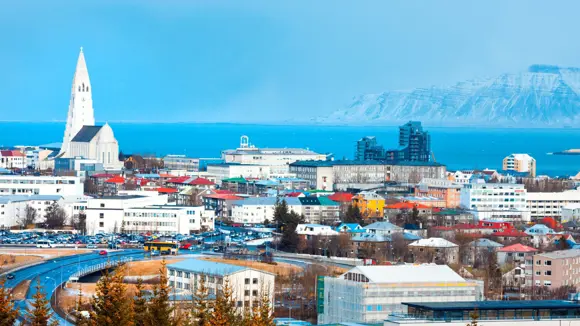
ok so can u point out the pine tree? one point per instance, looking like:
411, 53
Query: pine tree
81, 320
40, 314
111, 305
140, 305
159, 309
224, 308
8, 314
201, 305
265, 309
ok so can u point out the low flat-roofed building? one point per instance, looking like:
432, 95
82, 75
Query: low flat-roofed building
496, 313
368, 294
248, 285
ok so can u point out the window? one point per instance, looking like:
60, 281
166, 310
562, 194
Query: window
547, 283
548, 273
538, 273
101, 224
548, 262
178, 285
102, 205
179, 274
538, 262
186, 286
171, 272
246, 292
255, 281
255, 293
171, 283
101, 215
247, 281
239, 303
187, 274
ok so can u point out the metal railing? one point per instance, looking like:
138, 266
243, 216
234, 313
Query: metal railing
99, 267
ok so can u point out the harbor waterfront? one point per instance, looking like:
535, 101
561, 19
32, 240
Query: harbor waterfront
458, 148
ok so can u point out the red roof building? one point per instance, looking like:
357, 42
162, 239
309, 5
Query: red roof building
201, 182
518, 247
163, 190
116, 179
341, 197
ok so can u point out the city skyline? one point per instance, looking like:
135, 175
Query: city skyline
231, 62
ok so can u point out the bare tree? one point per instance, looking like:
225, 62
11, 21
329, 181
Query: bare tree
55, 216
29, 217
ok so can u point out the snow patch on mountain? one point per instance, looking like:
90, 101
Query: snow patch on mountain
543, 95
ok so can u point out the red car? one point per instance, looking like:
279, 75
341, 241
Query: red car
102, 252
185, 246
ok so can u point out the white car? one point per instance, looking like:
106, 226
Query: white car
44, 244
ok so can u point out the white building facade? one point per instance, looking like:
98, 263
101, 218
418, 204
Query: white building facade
248, 285
40, 185
368, 294
236, 170
80, 110
550, 204
277, 159
167, 219
496, 201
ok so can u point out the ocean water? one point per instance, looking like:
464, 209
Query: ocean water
458, 148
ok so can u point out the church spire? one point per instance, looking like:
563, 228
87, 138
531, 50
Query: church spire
80, 111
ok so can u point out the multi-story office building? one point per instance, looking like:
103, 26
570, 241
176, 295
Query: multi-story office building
522, 163
248, 285
414, 146
554, 269
236, 170
489, 201
544, 204
440, 188
40, 185
259, 209
329, 175
181, 162
367, 149
277, 159
368, 294
167, 219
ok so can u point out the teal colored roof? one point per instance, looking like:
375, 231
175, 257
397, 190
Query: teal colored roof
206, 267
238, 180
325, 201
448, 212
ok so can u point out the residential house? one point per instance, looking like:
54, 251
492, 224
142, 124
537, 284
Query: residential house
479, 251
555, 269
370, 204
516, 254
435, 249
309, 230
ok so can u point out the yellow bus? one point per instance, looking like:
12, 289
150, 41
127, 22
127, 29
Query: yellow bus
162, 248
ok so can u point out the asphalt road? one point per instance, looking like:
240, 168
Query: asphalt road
52, 273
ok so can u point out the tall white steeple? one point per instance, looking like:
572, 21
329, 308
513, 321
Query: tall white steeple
80, 110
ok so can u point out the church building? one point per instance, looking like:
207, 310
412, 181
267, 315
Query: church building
81, 137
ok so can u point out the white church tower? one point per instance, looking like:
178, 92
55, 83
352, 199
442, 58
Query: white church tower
80, 110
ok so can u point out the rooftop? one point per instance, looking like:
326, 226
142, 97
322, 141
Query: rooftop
495, 305
207, 267
570, 253
433, 243
425, 273
312, 163
86, 134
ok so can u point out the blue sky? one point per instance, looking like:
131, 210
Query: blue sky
263, 61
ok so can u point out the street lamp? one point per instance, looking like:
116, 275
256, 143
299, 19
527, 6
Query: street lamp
55, 288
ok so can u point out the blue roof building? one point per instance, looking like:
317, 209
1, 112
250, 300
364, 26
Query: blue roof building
350, 227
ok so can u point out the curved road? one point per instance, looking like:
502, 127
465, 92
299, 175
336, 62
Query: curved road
52, 273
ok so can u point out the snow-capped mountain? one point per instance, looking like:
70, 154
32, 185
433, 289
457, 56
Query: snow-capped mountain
541, 96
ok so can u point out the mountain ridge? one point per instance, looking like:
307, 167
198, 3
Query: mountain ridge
541, 96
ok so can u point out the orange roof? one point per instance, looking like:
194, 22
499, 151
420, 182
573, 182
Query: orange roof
201, 182
223, 196
518, 247
341, 197
166, 190
406, 205
116, 179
